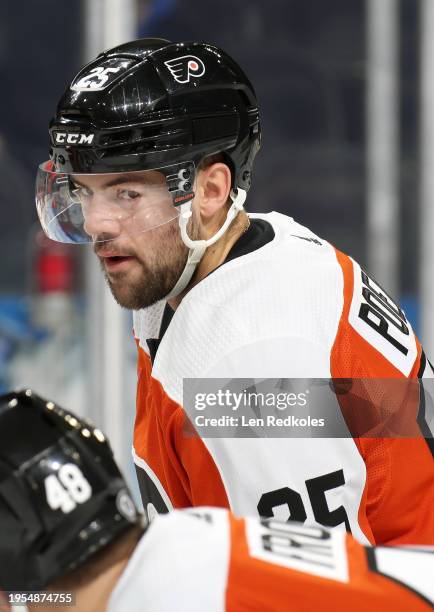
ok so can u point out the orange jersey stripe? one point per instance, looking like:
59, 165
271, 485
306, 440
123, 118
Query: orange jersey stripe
258, 585
180, 460
389, 489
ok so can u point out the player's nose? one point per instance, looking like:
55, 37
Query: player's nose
101, 218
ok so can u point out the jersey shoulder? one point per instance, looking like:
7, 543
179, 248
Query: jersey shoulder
374, 337
289, 289
192, 545
293, 284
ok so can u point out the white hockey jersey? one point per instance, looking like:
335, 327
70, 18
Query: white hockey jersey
294, 307
210, 561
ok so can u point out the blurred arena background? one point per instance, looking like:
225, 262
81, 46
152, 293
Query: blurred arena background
346, 89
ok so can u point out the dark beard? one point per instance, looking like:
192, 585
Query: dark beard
158, 276
152, 286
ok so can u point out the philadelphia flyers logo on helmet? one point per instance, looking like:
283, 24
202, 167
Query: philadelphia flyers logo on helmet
185, 67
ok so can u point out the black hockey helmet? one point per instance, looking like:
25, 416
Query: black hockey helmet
151, 103
62, 497
147, 105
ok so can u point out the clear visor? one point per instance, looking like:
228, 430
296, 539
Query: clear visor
89, 208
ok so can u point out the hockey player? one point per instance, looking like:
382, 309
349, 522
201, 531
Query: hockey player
152, 152
70, 534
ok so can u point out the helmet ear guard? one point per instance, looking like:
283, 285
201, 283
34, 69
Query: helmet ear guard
62, 497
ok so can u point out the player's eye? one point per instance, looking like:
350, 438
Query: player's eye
128, 194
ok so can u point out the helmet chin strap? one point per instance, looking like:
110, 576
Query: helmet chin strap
198, 247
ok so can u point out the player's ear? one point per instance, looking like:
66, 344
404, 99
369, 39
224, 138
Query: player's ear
214, 186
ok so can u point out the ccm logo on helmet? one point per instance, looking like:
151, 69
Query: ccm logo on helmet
68, 138
185, 67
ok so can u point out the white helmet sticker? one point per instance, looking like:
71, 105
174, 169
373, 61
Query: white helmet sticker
96, 80
185, 67
125, 506
102, 76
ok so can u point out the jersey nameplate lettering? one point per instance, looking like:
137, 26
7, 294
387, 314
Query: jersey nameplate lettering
381, 322
307, 549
